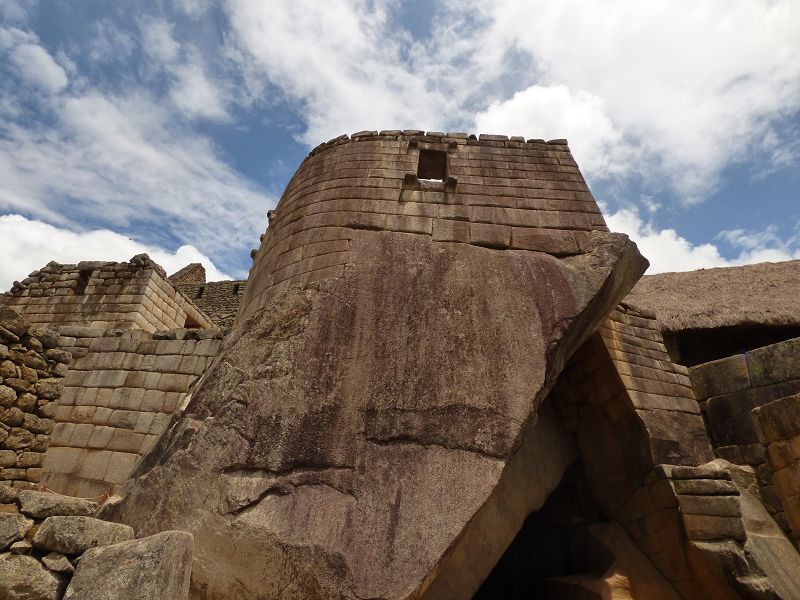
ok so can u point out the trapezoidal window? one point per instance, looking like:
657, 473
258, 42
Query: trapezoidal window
432, 165
82, 282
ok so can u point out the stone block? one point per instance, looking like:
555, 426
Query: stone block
120, 467
63, 459
124, 419
8, 396
551, 241
41, 505
722, 506
705, 487
779, 419
18, 439
101, 437
704, 528
25, 577
50, 389
73, 535
774, 363
787, 480
8, 458
720, 377
153, 400
26, 460
489, 235
451, 231
95, 464
13, 527
101, 415
126, 398
80, 435
115, 572
172, 382
126, 440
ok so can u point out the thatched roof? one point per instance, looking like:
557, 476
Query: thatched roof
766, 294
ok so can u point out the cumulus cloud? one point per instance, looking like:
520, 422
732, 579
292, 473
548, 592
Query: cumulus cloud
668, 251
34, 64
30, 244
124, 161
673, 94
555, 111
195, 94
342, 62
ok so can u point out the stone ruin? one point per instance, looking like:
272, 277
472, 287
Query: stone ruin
440, 380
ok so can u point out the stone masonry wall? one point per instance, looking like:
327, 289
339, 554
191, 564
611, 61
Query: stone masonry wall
633, 409
778, 427
497, 192
217, 299
121, 392
32, 368
104, 294
730, 388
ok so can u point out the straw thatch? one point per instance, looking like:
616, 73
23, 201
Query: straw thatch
766, 294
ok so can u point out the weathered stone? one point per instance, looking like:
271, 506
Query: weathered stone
12, 416
435, 412
49, 389
7, 396
705, 487
21, 547
41, 505
24, 578
75, 535
19, 439
57, 562
12, 528
8, 458
8, 494
158, 566
7, 369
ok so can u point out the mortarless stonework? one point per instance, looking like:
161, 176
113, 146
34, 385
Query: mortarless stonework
372, 419
32, 370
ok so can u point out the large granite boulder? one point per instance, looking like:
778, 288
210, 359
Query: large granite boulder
155, 567
24, 578
379, 434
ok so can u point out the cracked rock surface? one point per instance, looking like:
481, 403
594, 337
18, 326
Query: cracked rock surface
380, 435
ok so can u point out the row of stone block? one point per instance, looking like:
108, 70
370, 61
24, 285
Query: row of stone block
189, 364
106, 467
150, 400
764, 366
139, 439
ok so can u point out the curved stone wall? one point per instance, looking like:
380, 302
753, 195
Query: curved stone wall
495, 191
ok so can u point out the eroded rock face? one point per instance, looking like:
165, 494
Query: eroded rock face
376, 435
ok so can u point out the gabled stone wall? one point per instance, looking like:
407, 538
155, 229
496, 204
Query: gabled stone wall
131, 294
217, 299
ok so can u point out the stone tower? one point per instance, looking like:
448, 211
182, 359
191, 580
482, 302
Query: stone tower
372, 427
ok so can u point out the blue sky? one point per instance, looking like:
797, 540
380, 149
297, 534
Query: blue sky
171, 126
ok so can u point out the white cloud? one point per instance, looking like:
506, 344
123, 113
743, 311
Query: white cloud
158, 40
670, 92
692, 87
668, 251
35, 65
341, 61
30, 244
15, 11
555, 112
195, 94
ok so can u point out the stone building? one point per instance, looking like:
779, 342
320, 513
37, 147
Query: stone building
441, 379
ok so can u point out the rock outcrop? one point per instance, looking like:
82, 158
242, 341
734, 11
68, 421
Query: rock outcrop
379, 433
